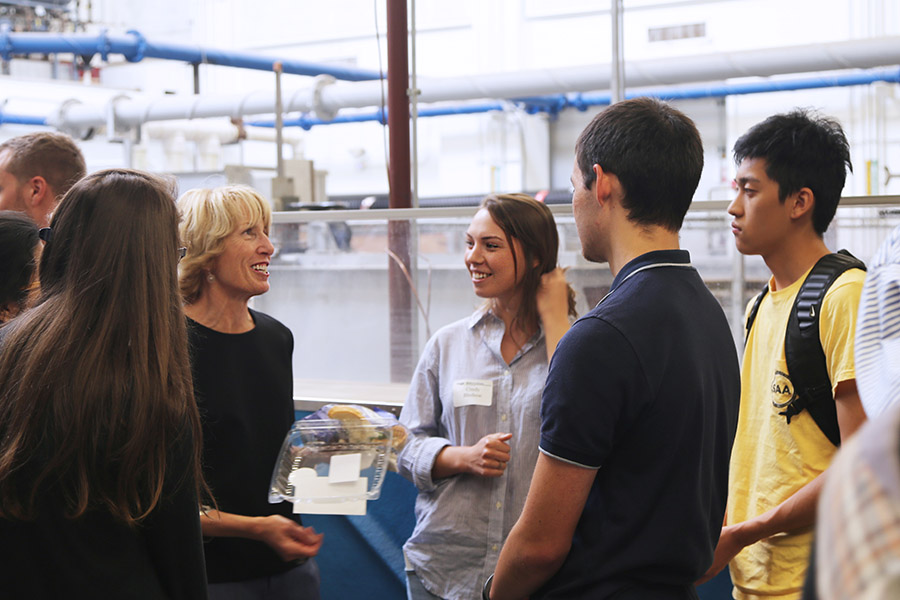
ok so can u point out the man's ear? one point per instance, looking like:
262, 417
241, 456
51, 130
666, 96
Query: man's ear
607, 186
38, 191
802, 203
602, 184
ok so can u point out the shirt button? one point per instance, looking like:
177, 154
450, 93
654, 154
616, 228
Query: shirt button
494, 547
499, 505
503, 417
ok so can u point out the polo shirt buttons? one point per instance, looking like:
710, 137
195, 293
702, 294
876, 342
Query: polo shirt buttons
503, 417
494, 547
499, 505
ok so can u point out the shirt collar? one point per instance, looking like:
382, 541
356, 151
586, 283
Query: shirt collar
485, 317
681, 257
483, 312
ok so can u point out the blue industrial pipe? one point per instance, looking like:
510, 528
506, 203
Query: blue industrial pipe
553, 104
135, 47
21, 119
380, 115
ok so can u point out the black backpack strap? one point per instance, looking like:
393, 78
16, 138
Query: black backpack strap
803, 346
753, 310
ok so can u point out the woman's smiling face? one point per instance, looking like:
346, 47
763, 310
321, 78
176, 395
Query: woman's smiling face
242, 270
495, 267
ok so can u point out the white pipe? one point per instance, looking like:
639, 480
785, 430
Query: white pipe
227, 132
617, 83
670, 71
195, 131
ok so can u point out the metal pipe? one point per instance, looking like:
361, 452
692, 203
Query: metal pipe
559, 210
279, 108
131, 112
13, 119
307, 122
135, 47
559, 102
331, 98
617, 81
401, 312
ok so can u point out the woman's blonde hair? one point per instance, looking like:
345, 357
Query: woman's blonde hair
208, 216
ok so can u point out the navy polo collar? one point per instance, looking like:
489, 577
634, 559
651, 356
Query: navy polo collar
656, 258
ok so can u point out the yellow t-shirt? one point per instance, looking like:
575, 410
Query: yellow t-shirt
771, 460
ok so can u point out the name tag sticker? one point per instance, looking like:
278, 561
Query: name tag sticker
472, 392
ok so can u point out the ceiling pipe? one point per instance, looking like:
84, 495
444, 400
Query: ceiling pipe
328, 99
135, 47
554, 103
13, 119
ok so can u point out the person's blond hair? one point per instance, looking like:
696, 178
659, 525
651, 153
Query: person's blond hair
208, 216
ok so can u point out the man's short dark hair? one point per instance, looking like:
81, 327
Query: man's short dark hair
654, 150
53, 156
801, 149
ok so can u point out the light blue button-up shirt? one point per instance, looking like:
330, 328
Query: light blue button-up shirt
878, 331
463, 520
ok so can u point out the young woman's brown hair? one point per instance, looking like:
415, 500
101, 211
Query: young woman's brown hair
522, 217
95, 382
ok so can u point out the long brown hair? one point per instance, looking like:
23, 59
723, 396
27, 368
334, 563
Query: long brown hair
95, 382
523, 218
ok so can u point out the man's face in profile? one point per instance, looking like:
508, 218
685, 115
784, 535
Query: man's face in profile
11, 190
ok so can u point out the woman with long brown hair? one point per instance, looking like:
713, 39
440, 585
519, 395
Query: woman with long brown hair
474, 402
99, 433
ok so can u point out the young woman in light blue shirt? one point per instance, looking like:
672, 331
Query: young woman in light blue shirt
474, 401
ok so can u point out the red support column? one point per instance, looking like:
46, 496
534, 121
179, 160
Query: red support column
401, 304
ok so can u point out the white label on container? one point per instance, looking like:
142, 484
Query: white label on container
316, 496
344, 467
469, 392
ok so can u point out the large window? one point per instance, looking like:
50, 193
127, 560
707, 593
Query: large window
330, 281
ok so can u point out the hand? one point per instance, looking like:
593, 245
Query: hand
488, 457
728, 547
288, 538
553, 295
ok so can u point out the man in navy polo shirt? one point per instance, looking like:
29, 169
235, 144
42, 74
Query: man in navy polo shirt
640, 407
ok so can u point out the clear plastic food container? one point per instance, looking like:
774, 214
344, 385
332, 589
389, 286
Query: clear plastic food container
332, 461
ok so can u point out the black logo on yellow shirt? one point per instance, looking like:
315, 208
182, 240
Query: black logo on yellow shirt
782, 390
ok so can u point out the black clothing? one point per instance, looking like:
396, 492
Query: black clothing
645, 388
96, 556
243, 384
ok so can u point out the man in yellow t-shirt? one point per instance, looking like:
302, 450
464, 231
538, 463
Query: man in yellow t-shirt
791, 171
